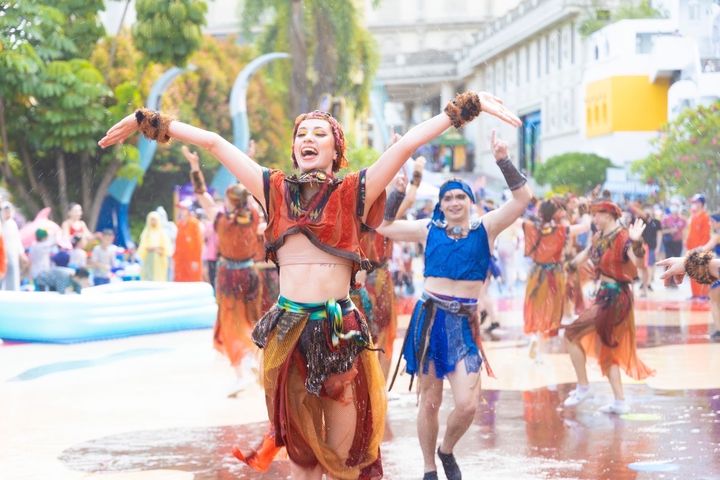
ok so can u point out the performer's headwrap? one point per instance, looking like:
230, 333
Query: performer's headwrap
452, 184
606, 206
340, 160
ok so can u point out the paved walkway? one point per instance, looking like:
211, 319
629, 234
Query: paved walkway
155, 407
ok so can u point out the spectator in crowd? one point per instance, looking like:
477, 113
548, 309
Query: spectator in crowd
698, 235
78, 255
62, 280
14, 251
39, 253
102, 258
153, 249
673, 226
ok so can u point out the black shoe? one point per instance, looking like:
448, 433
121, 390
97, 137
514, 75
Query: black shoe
430, 476
450, 466
715, 337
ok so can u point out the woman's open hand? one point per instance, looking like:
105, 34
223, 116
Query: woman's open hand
119, 132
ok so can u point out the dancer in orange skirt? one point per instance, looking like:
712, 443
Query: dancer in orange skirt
237, 285
606, 330
545, 295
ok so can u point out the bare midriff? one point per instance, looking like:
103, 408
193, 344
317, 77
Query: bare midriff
310, 275
453, 288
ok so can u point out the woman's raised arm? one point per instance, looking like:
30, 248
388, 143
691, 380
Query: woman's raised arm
243, 167
463, 109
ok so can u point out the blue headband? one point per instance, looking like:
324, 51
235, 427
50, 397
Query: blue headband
454, 184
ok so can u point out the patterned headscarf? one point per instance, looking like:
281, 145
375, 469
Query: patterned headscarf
338, 135
452, 184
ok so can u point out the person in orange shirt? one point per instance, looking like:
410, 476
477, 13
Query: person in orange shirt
698, 235
188, 245
3, 259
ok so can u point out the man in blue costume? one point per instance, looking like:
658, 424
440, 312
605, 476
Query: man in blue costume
443, 339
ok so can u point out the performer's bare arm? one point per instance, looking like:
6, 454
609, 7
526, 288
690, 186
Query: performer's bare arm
499, 219
635, 233
675, 267
242, 166
206, 201
582, 227
411, 190
380, 173
714, 240
405, 230
580, 258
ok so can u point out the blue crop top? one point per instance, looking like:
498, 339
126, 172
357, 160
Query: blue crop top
462, 259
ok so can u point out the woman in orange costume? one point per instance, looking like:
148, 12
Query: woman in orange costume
237, 285
323, 384
188, 245
545, 295
606, 330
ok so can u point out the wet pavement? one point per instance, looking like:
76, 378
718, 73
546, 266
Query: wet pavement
155, 407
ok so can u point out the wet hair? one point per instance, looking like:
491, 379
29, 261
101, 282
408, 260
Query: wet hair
547, 210
73, 205
108, 231
340, 161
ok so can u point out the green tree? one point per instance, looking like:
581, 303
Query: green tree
168, 32
574, 172
687, 158
600, 16
332, 53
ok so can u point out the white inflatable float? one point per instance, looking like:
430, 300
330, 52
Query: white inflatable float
107, 311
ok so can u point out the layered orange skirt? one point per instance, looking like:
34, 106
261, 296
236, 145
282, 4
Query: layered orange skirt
384, 322
238, 293
544, 300
606, 331
296, 415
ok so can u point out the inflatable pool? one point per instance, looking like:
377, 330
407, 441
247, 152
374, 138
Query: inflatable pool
107, 311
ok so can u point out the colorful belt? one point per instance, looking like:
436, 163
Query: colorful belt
235, 264
331, 311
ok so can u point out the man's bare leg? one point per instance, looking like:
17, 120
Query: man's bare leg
466, 390
428, 423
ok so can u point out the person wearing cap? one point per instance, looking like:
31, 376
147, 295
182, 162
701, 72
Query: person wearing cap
606, 330
187, 258
698, 235
40, 252
443, 338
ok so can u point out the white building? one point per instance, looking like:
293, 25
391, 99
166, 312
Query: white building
608, 93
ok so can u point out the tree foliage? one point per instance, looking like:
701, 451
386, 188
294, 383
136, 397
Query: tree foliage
602, 17
687, 158
168, 32
332, 53
573, 172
